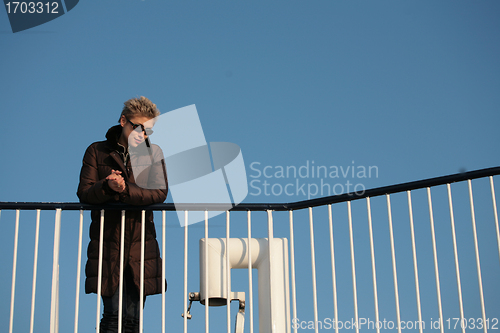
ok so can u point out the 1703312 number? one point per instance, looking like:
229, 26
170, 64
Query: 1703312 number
32, 7
472, 323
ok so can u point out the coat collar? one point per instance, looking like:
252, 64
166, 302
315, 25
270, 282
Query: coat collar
118, 152
113, 135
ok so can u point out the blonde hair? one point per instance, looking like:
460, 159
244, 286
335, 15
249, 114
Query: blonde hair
141, 107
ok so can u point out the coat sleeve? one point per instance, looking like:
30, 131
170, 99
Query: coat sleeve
91, 189
136, 195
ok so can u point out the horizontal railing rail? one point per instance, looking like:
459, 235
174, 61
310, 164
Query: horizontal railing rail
370, 193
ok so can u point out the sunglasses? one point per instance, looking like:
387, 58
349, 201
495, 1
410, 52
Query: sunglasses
147, 131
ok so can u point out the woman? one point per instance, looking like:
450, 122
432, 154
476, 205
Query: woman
108, 176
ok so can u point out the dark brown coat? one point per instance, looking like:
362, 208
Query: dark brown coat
100, 158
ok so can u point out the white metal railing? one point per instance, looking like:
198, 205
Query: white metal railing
352, 264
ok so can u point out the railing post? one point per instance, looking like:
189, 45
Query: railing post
228, 276
436, 266
54, 302
250, 280
99, 272
393, 256
313, 270
292, 264
120, 284
353, 267
374, 271
185, 268
78, 271
415, 265
35, 263
455, 253
270, 237
141, 291
476, 250
163, 252
14, 268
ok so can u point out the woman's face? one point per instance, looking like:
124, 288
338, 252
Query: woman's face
135, 136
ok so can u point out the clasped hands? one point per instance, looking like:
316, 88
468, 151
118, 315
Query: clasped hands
116, 181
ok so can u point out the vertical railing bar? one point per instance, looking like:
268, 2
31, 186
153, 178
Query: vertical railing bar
436, 266
250, 280
99, 272
374, 272
35, 265
292, 262
78, 270
287, 292
353, 267
14, 268
228, 276
334, 277
185, 268
141, 300
455, 253
270, 234
207, 301
495, 213
57, 303
476, 249
163, 273
415, 266
120, 284
313, 270
393, 256
54, 303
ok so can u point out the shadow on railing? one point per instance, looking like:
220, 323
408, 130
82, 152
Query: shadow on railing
324, 268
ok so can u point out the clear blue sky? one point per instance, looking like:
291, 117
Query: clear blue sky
411, 88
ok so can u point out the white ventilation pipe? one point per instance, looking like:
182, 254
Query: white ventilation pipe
274, 316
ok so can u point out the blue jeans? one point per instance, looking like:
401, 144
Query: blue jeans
131, 308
